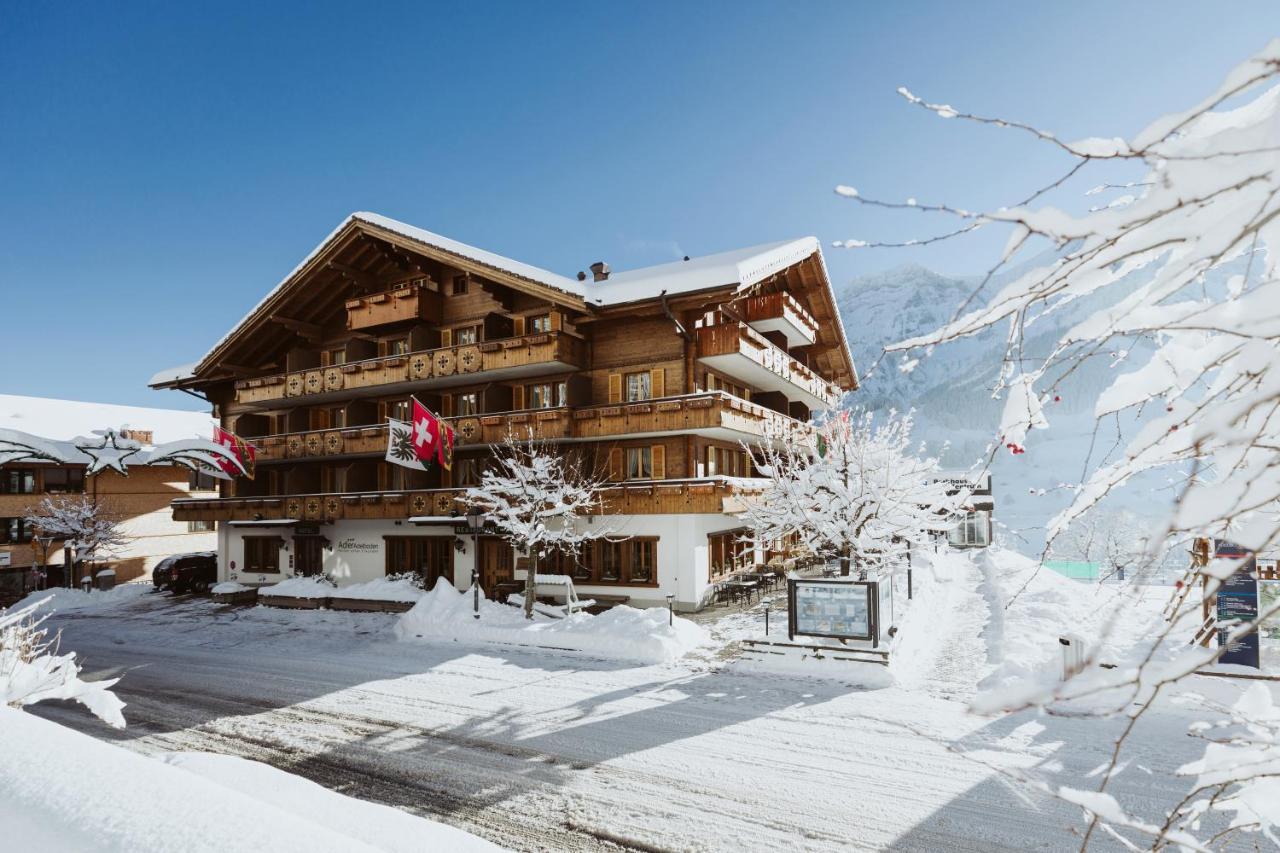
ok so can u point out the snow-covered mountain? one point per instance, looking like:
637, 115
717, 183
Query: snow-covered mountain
951, 391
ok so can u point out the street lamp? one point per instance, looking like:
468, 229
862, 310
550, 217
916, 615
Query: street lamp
671, 613
475, 524
767, 604
46, 542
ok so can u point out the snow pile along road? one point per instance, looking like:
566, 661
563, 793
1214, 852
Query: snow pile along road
622, 633
58, 793
382, 589
61, 600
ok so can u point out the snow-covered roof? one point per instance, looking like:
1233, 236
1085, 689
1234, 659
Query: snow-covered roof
62, 420
740, 267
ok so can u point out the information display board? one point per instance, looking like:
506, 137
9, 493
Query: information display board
1238, 603
842, 609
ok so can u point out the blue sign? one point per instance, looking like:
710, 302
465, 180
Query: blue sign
1237, 605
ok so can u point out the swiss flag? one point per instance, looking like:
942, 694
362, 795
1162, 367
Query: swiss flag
426, 432
245, 452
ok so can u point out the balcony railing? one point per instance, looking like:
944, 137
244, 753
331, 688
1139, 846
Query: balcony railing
780, 312
641, 497
714, 413
441, 367
743, 353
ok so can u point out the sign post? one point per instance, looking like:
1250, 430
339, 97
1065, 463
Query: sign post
1237, 605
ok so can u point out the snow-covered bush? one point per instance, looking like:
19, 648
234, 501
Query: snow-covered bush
31, 670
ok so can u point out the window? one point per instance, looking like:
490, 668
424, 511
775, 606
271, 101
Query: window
18, 481
14, 530
201, 526
729, 551
539, 324
337, 417
629, 561
717, 383
466, 404
395, 346
467, 472
262, 554
398, 409
639, 387
460, 283
466, 335
639, 463
334, 357
545, 395
431, 557
202, 481
64, 480
973, 531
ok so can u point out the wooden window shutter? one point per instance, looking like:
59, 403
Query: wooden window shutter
658, 382
557, 321
615, 464
517, 398
518, 324
446, 337
659, 461
711, 461
615, 387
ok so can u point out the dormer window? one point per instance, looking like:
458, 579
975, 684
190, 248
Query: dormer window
460, 283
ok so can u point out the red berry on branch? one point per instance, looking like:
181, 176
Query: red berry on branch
1057, 398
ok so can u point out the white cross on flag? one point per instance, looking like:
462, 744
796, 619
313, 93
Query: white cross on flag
426, 432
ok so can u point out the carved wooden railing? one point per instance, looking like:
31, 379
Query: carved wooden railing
422, 366
778, 306
740, 339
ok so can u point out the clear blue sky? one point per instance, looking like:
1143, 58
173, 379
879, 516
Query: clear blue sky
162, 167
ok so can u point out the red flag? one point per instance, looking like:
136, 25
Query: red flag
445, 454
245, 452
426, 432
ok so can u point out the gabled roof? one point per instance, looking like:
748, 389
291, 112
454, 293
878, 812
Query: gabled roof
740, 267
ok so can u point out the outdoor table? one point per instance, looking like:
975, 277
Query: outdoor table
744, 588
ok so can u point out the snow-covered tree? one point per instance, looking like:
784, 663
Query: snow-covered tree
80, 522
539, 499
1183, 257
31, 670
1118, 541
862, 494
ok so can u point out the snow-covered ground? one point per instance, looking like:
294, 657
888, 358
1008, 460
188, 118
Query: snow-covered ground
537, 749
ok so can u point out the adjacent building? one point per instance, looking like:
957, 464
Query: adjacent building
141, 501
974, 527
655, 377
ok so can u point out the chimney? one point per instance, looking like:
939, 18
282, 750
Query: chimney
600, 271
582, 276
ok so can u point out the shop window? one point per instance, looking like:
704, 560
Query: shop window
628, 561
262, 554
429, 557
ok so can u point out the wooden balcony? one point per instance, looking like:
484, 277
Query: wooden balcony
711, 415
780, 312
411, 302
508, 358
639, 498
739, 351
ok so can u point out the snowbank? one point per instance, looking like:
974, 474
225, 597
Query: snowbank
56, 795
62, 600
229, 587
623, 633
310, 587
381, 589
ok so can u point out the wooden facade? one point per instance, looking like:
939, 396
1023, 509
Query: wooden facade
661, 393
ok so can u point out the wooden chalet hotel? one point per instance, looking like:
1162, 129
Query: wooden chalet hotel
659, 375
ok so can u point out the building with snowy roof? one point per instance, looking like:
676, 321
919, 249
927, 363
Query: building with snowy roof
140, 500
657, 376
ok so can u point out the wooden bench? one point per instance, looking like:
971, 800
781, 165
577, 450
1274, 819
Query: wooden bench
607, 602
